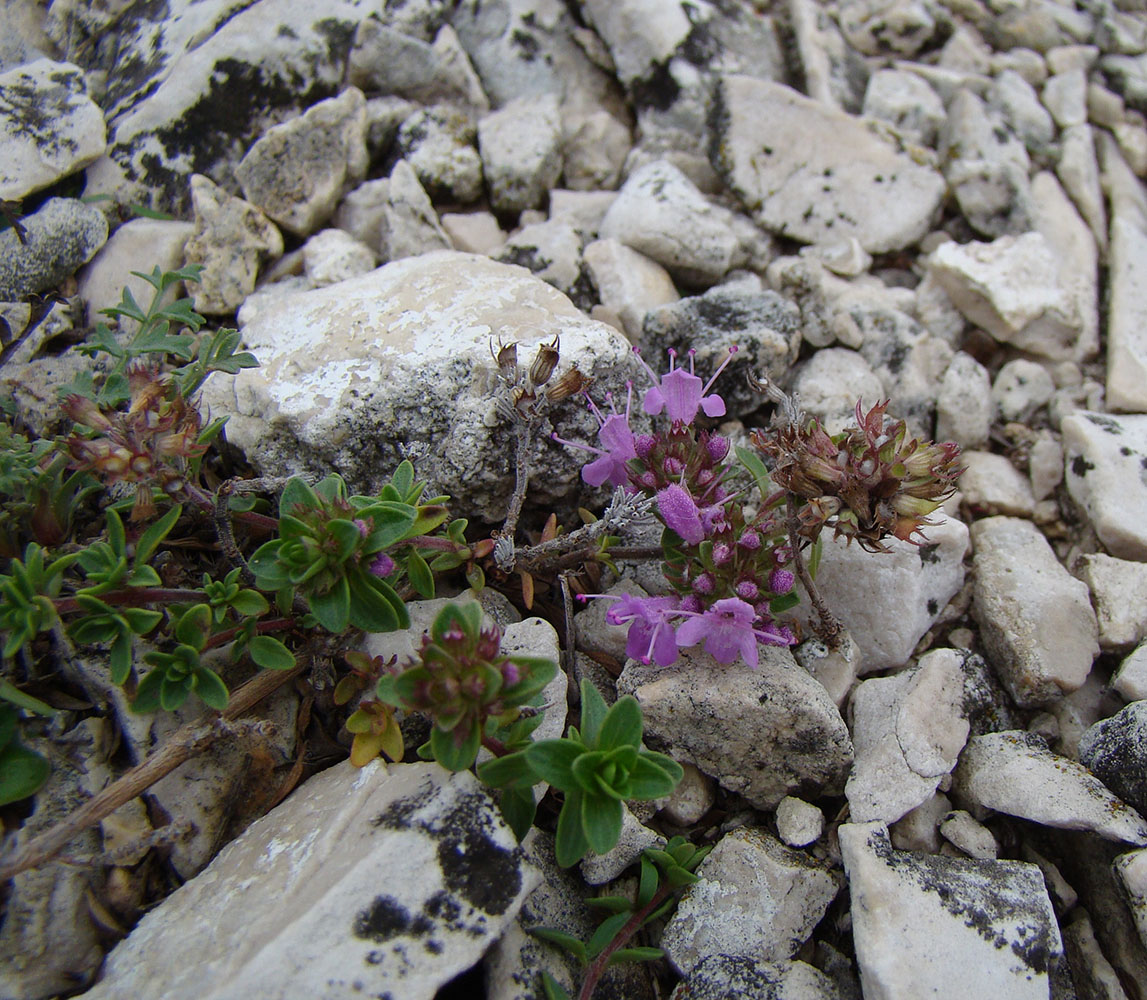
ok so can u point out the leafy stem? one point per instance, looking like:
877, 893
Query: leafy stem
598, 966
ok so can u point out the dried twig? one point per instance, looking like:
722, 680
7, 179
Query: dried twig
831, 627
185, 743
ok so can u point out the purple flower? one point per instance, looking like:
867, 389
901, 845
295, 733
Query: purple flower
781, 581
651, 630
383, 565
726, 629
614, 433
680, 393
680, 513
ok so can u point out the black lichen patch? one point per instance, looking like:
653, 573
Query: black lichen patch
657, 90
1105, 423
482, 872
531, 258
1080, 466
999, 900
933, 606
397, 815
383, 919
929, 553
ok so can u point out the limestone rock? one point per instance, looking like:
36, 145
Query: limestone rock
439, 143
159, 242
964, 404
332, 255
1036, 621
799, 823
811, 173
734, 977
297, 172
1015, 773
830, 383
49, 126
998, 931
627, 282
1103, 461
755, 898
762, 733
905, 101
351, 371
59, 237
1130, 680
327, 857
409, 225
1010, 288
1131, 873
1115, 751
1119, 595
907, 731
520, 145
232, 239
551, 250
990, 484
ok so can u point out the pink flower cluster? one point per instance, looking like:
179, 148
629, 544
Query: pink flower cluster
726, 570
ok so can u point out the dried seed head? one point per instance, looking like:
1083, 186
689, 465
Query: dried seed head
545, 361
570, 384
506, 359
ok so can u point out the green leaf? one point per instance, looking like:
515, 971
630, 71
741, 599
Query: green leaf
647, 886
454, 756
587, 768
563, 940
270, 654
756, 468
372, 603
785, 601
510, 772
210, 688
653, 775
518, 809
622, 724
332, 609
270, 574
535, 673
147, 694
552, 989
605, 932
465, 615
120, 658
392, 521
147, 543
636, 954
421, 579
117, 537
10, 693
553, 760
593, 711
173, 691
298, 494
403, 478
249, 603
570, 843
22, 773
347, 535
194, 626
813, 561
602, 818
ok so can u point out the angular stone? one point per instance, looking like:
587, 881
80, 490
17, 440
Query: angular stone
889, 601
756, 898
627, 282
761, 733
49, 127
349, 372
297, 172
812, 173
907, 731
1104, 459
635, 837
962, 831
1130, 680
830, 383
1078, 169
410, 225
763, 327
692, 798
1010, 288
521, 152
1115, 751
1119, 595
1017, 101
990, 484
905, 101
659, 212
1036, 621
439, 143
640, 34
1127, 263
924, 922
594, 149
332, 255
799, 823
327, 857
158, 241
1131, 875
1021, 388
232, 239
878, 27
551, 250
964, 404
1014, 773
59, 237
192, 83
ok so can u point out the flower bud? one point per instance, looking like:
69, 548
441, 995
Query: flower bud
749, 540
781, 581
722, 553
747, 590
718, 447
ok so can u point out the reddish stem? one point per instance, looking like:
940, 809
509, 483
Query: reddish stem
134, 596
628, 929
261, 628
495, 746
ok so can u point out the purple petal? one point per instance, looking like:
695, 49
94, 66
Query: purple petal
679, 513
606, 469
682, 395
714, 406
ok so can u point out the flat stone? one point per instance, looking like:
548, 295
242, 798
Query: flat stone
1127, 277
1130, 680
297, 172
1119, 596
812, 173
1009, 288
351, 371
1016, 100
409, 224
659, 212
763, 734
49, 126
158, 241
1104, 458
439, 143
627, 282
924, 922
59, 237
327, 857
835, 73
906, 102
1078, 169
964, 405
799, 823
888, 602
990, 484
734, 977
830, 383
640, 34
1036, 621
1131, 876
232, 240
962, 831
1065, 96
332, 255
908, 731
755, 898
474, 232
1014, 773
1115, 751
